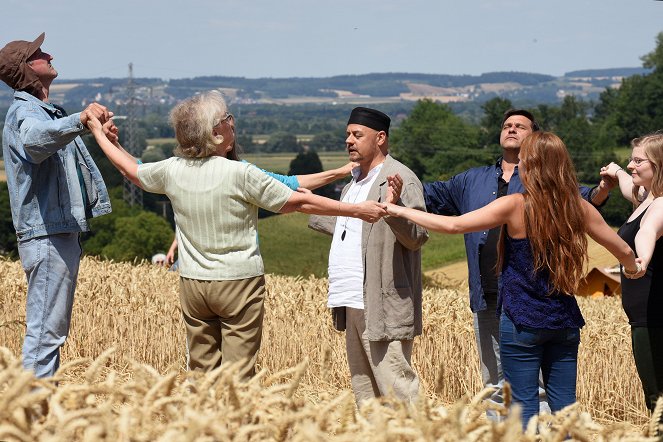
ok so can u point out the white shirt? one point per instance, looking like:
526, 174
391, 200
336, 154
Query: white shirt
346, 265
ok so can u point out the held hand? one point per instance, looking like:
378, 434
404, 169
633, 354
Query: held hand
111, 131
96, 110
92, 123
347, 169
393, 209
607, 182
638, 272
304, 190
611, 170
394, 189
370, 211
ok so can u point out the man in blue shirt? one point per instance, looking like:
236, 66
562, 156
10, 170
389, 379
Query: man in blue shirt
54, 187
471, 190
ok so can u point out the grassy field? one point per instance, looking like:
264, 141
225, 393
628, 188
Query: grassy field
280, 162
123, 374
289, 247
3, 176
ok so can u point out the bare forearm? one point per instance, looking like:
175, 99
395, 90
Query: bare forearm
317, 205
645, 242
315, 180
625, 184
436, 223
120, 158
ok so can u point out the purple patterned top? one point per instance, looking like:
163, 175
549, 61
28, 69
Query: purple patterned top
524, 296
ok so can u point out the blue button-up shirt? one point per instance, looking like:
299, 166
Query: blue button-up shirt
43, 154
463, 193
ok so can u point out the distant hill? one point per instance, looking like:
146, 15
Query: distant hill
610, 72
348, 89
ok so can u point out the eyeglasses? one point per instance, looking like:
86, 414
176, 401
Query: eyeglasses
637, 161
227, 118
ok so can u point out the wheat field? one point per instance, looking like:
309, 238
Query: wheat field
123, 375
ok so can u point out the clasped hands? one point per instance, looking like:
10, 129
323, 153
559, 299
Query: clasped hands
98, 118
640, 270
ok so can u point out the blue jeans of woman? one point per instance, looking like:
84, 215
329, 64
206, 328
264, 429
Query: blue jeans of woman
526, 350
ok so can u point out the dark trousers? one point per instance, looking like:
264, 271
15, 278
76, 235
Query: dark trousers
647, 345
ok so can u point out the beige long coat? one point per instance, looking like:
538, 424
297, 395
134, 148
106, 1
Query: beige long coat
391, 252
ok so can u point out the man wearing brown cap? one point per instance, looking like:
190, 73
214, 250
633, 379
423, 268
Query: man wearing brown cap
471, 190
375, 269
54, 188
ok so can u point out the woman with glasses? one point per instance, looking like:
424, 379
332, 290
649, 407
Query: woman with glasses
642, 299
215, 201
541, 255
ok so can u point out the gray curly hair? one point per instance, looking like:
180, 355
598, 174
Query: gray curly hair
193, 120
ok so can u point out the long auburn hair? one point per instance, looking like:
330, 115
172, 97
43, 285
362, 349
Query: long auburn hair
554, 216
652, 144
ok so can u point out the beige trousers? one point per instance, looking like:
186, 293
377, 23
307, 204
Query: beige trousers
378, 368
223, 322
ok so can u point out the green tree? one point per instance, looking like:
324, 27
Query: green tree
654, 60
491, 122
8, 245
328, 141
282, 142
153, 154
307, 161
433, 142
127, 233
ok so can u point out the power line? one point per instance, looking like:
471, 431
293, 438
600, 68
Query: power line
133, 195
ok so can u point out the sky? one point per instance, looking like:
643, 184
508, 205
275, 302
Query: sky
313, 38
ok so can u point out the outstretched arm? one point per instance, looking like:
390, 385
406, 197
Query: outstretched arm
501, 211
122, 161
650, 231
306, 202
314, 180
616, 172
600, 232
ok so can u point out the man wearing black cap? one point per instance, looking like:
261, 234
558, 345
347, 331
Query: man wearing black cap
471, 190
375, 269
54, 187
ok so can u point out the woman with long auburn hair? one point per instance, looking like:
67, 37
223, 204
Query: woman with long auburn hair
641, 299
542, 253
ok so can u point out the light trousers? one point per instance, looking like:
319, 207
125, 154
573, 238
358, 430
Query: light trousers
378, 368
51, 266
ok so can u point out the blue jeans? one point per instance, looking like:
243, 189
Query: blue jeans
487, 333
525, 350
51, 267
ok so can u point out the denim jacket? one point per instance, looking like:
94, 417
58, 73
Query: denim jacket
41, 145
463, 193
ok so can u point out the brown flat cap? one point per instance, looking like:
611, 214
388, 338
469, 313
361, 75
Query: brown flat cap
13, 68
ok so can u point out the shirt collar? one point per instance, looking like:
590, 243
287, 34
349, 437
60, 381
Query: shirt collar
498, 166
371, 173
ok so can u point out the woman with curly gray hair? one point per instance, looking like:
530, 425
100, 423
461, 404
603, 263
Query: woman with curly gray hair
215, 201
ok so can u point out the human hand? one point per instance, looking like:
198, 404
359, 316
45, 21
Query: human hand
370, 211
611, 170
92, 123
347, 168
111, 131
394, 189
304, 190
170, 257
607, 182
639, 272
96, 110
393, 209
